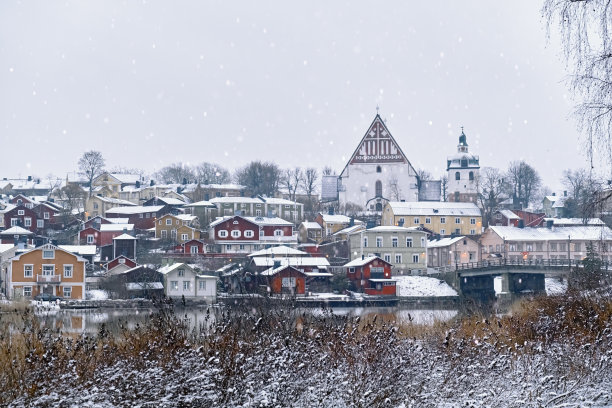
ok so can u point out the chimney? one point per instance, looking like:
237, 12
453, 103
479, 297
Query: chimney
330, 211
277, 264
152, 183
137, 184
554, 194
549, 224
362, 257
351, 222
565, 193
521, 223
29, 178
184, 180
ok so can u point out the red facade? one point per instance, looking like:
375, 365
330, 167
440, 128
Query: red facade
372, 278
243, 225
141, 221
21, 216
119, 261
194, 247
288, 280
100, 238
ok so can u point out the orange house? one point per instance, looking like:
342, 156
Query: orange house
285, 279
47, 269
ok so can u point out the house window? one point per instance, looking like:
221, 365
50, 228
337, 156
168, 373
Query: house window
222, 234
416, 220
457, 231
457, 176
365, 242
228, 247
148, 215
394, 242
577, 247
181, 273
68, 271
415, 258
20, 212
278, 233
387, 258
27, 222
90, 239
261, 233
529, 247
442, 231
67, 292
473, 221
236, 233
378, 169
472, 232
40, 223
379, 242
28, 271
562, 246
46, 215
427, 220
538, 246
141, 215
174, 285
352, 270
14, 222
27, 291
553, 246
258, 213
442, 220
422, 242
457, 220
121, 260
168, 221
398, 258
471, 175
241, 247
95, 206
202, 285
248, 234
184, 237
378, 187
193, 249
173, 234
164, 234
186, 285
48, 254
289, 282
47, 270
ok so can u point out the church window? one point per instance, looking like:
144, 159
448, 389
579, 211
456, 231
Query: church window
471, 175
378, 169
464, 163
457, 176
378, 188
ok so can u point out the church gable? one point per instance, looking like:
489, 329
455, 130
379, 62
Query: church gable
378, 146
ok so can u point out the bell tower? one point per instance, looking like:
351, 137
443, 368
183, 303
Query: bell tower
463, 170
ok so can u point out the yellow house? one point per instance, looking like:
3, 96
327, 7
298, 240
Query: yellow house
179, 228
444, 218
47, 269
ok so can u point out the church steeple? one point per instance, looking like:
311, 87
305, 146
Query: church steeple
462, 147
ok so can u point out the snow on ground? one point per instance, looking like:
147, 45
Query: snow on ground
422, 286
554, 286
97, 294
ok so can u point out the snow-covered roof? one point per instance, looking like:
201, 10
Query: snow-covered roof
135, 209
574, 221
274, 271
79, 249
350, 230
201, 204
311, 225
318, 262
509, 215
362, 262
126, 178
117, 201
245, 200
576, 233
16, 230
8, 208
393, 228
262, 221
118, 220
170, 200
143, 285
434, 208
338, 219
443, 242
116, 227
124, 237
280, 250
5, 247
186, 217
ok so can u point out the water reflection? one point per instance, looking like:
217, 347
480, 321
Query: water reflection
114, 320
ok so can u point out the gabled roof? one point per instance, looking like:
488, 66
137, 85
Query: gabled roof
428, 208
116, 227
53, 247
112, 200
369, 150
280, 250
338, 219
16, 230
364, 261
297, 261
201, 204
577, 233
351, 230
124, 237
261, 221
135, 209
393, 228
274, 271
443, 242
79, 249
311, 225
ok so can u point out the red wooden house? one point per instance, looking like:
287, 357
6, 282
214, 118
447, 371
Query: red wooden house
371, 275
21, 200
21, 216
193, 247
240, 234
103, 236
49, 216
284, 280
120, 263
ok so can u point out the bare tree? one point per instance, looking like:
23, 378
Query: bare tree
91, 165
444, 185
424, 175
210, 173
584, 26
491, 190
259, 178
575, 181
524, 181
395, 191
72, 198
176, 173
327, 171
292, 179
309, 181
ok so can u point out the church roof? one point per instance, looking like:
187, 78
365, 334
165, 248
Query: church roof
377, 147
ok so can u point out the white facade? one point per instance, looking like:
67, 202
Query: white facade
183, 280
463, 170
377, 172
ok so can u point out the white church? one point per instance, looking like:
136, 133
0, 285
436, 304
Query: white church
378, 171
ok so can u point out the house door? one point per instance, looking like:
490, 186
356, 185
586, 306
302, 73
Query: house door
48, 289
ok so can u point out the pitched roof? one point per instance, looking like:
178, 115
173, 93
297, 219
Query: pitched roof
509, 215
362, 262
262, 221
124, 237
443, 242
580, 233
112, 200
116, 227
297, 261
79, 249
434, 208
311, 225
338, 219
274, 271
135, 209
280, 250
16, 230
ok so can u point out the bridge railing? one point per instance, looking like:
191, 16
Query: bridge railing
502, 262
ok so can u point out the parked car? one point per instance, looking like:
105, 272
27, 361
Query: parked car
47, 297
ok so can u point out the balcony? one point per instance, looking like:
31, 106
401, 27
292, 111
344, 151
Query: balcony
48, 279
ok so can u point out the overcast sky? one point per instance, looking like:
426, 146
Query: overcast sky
154, 82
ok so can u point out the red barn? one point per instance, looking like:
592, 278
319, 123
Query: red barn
371, 275
284, 280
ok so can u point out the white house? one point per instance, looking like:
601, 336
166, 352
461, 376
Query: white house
186, 280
